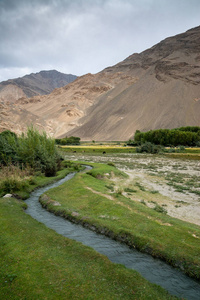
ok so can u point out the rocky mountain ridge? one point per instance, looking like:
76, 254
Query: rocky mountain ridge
158, 88
34, 84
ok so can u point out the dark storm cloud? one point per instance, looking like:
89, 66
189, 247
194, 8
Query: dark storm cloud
80, 36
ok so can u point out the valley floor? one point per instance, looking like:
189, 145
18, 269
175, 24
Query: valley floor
173, 184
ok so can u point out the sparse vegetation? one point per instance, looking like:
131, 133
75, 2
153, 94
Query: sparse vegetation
143, 202
154, 192
140, 186
160, 209
130, 190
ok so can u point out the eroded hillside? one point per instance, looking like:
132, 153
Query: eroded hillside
158, 88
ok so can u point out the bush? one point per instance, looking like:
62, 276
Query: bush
31, 149
12, 184
15, 178
148, 147
198, 144
132, 143
8, 148
171, 150
111, 164
160, 209
67, 164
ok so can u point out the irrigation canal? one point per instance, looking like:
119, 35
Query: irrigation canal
154, 270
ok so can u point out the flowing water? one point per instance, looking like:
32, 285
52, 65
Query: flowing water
150, 268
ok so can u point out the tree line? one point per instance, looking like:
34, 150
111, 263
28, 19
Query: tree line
72, 140
186, 136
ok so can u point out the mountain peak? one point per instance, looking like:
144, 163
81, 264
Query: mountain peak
34, 84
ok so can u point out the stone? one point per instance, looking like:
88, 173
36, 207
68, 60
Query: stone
8, 196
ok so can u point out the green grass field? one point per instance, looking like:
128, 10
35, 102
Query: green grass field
91, 197
108, 148
98, 149
37, 263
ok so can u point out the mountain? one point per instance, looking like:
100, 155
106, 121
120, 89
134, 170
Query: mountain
164, 92
41, 83
158, 88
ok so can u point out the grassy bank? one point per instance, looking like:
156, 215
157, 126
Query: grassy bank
89, 199
21, 182
37, 263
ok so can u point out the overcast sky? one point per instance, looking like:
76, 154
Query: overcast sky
85, 36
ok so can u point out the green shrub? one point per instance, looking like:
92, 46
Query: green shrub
31, 149
181, 148
143, 202
129, 190
160, 209
111, 164
132, 143
8, 148
15, 178
10, 185
141, 187
110, 187
67, 164
171, 150
148, 147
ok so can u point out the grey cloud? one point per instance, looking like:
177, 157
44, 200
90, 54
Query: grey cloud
80, 36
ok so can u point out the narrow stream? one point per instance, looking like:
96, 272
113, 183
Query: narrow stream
154, 270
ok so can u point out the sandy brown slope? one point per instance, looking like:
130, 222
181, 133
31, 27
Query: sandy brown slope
165, 94
158, 88
17, 119
41, 83
64, 107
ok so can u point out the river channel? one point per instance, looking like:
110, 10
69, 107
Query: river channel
154, 270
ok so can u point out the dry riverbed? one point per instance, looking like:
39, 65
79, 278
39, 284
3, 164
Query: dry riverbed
171, 184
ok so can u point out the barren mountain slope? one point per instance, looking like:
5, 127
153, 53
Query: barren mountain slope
16, 119
158, 88
165, 94
41, 83
64, 107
